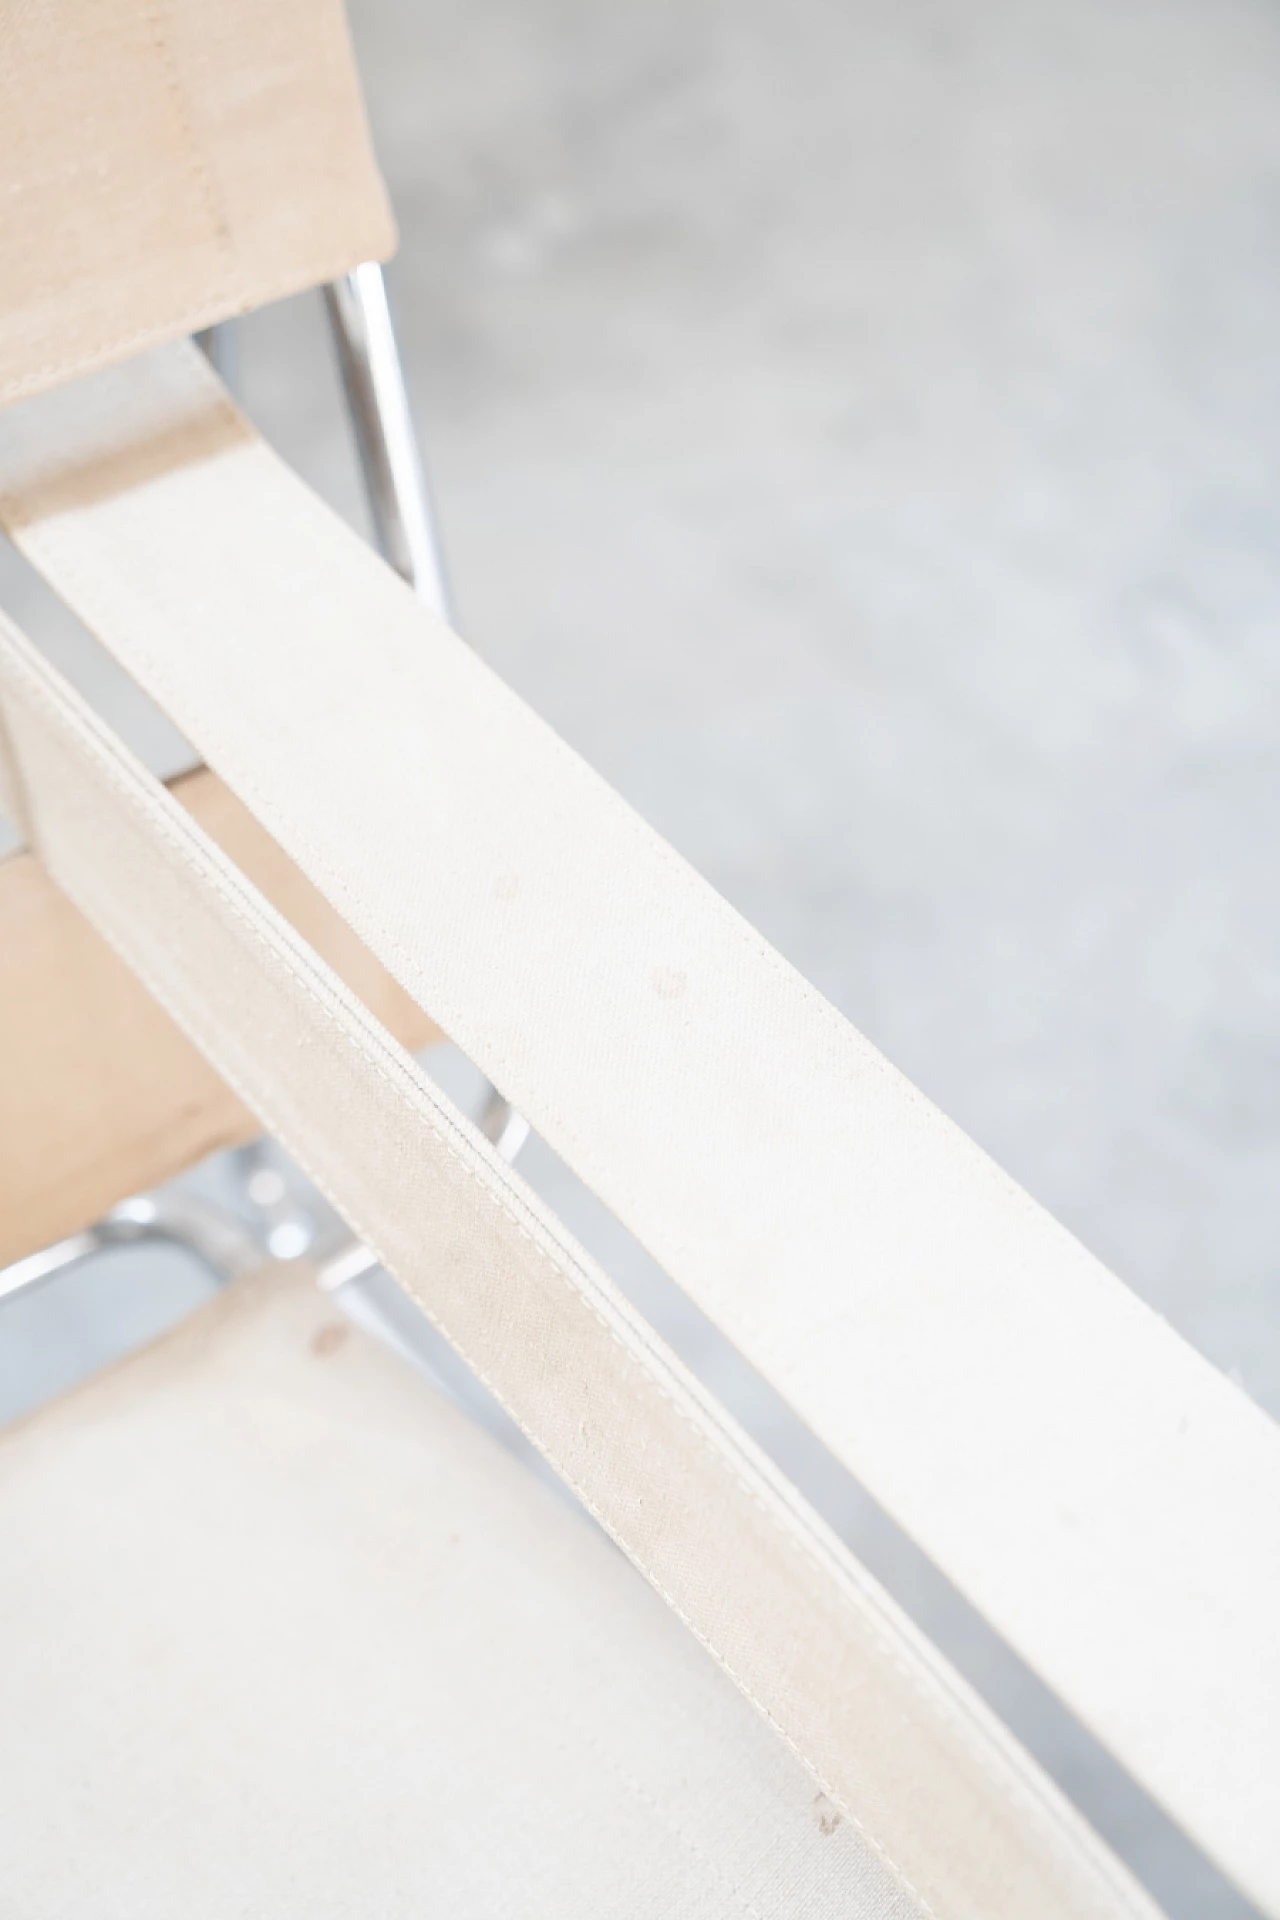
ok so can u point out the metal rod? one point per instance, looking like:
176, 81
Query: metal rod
218, 1241
400, 505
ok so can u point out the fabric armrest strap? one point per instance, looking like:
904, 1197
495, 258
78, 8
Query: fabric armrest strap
1097, 1490
897, 1741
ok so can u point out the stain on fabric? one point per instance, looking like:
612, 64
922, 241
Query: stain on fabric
327, 1339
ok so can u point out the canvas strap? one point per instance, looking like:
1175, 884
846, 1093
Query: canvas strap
966, 1821
1098, 1491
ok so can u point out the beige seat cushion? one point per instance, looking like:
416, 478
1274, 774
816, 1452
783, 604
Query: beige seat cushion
282, 1633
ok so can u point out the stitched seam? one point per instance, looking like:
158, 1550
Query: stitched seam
198, 166
591, 1505
431, 994
1007, 1781
640, 833
642, 837
198, 1027
620, 1772
207, 311
177, 833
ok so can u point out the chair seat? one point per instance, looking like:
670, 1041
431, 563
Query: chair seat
282, 1632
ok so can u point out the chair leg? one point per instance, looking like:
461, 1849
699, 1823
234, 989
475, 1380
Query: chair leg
404, 519
215, 1238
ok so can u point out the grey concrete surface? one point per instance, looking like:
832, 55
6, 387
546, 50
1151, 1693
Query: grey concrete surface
857, 428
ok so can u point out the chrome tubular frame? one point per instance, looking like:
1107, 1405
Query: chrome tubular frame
400, 505
216, 1239
405, 524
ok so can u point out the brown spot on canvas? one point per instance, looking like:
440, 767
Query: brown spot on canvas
669, 983
327, 1339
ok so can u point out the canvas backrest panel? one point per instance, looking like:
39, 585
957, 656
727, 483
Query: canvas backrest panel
168, 163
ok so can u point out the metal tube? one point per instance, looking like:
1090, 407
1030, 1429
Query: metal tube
217, 1240
404, 520
400, 504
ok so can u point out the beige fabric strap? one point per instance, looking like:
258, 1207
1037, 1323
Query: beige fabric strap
896, 1740
169, 162
1106, 1499
100, 1095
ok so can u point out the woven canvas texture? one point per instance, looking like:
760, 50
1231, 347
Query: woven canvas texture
282, 1633
168, 164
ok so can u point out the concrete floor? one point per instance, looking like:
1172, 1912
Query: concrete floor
857, 428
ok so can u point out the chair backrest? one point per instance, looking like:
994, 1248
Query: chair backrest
168, 165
